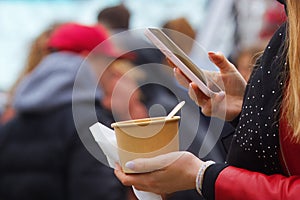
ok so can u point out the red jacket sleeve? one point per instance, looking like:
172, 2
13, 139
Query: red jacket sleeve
235, 183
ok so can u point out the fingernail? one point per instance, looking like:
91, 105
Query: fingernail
211, 53
190, 85
174, 70
130, 165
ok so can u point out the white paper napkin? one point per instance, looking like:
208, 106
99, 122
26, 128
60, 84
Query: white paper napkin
106, 139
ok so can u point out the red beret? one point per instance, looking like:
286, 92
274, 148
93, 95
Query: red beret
80, 38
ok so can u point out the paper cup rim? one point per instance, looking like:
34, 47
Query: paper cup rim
143, 121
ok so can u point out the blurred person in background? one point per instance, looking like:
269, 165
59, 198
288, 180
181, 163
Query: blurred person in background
42, 156
263, 161
273, 17
245, 54
115, 76
181, 25
117, 19
246, 59
37, 52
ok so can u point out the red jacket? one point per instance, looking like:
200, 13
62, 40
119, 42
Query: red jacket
253, 185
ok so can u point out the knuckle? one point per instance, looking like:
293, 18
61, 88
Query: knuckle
125, 182
206, 111
152, 184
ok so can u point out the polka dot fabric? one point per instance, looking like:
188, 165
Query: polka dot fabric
255, 144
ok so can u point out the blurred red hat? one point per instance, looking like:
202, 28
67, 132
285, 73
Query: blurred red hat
273, 18
80, 38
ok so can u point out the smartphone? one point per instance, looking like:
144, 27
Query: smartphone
181, 60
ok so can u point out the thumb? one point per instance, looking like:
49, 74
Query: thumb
221, 61
144, 165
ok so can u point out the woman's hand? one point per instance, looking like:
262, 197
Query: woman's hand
163, 174
226, 105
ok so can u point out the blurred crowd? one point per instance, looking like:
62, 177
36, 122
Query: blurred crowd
42, 156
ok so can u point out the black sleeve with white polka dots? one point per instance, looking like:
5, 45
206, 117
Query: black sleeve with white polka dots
255, 144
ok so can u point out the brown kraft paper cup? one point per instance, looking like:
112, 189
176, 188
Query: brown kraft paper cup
146, 138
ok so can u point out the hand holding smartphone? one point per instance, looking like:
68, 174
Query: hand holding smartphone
181, 60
